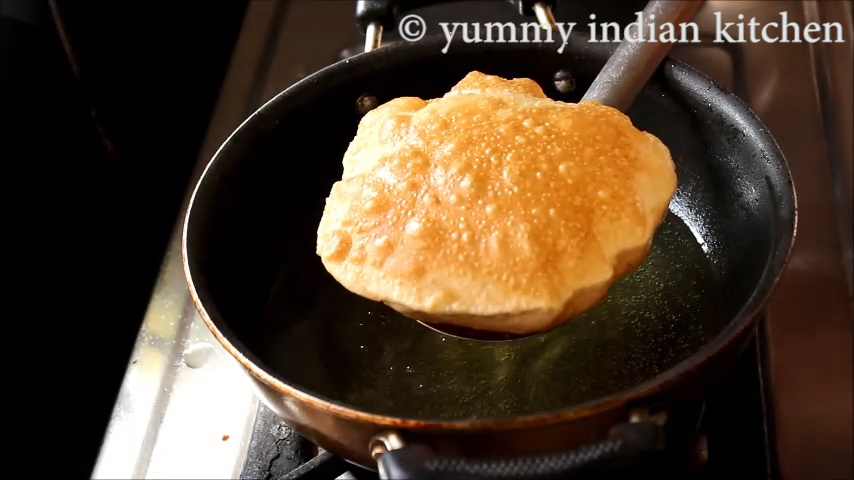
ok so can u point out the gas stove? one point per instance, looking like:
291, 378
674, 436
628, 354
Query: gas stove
185, 411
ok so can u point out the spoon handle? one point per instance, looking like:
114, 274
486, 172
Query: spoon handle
633, 63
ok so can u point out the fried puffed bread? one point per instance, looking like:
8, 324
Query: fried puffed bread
494, 207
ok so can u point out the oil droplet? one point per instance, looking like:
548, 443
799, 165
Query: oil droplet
507, 175
414, 228
370, 206
381, 242
197, 355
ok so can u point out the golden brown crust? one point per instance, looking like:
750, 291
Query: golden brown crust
494, 207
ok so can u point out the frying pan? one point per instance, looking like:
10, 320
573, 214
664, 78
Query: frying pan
371, 386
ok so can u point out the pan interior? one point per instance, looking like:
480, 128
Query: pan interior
367, 355
252, 232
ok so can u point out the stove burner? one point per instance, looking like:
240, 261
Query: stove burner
277, 452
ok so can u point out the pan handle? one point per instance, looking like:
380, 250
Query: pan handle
628, 445
374, 16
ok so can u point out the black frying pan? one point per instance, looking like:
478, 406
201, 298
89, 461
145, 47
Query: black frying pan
341, 368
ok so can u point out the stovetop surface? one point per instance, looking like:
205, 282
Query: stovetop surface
185, 411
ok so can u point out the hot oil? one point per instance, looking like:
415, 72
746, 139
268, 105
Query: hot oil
363, 354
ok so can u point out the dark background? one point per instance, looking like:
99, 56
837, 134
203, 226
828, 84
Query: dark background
97, 150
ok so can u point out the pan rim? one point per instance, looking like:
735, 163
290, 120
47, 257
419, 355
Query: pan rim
746, 318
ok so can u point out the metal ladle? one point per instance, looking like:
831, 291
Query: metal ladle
621, 79
633, 63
